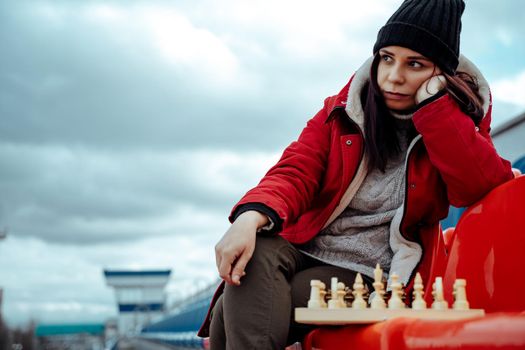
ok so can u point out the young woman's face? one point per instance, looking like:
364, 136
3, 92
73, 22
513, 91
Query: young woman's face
400, 73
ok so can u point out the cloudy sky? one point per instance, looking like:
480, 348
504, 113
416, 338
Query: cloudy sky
128, 129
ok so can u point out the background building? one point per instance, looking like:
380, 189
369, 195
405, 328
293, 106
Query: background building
140, 297
509, 140
71, 336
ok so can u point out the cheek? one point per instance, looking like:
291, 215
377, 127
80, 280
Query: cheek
419, 79
380, 77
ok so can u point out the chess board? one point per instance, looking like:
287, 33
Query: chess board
340, 305
325, 316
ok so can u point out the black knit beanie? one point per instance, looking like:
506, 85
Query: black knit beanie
430, 27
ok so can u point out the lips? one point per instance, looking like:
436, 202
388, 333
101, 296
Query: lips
395, 95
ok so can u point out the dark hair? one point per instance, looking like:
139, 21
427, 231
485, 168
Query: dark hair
464, 89
380, 127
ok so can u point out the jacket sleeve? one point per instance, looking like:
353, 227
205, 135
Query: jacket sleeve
463, 153
290, 185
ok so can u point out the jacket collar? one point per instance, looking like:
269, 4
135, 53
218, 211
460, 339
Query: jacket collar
465, 65
349, 98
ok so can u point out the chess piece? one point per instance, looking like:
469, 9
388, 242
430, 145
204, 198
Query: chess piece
460, 295
348, 297
418, 303
437, 292
359, 290
377, 301
323, 296
395, 301
317, 293
333, 303
341, 292
337, 295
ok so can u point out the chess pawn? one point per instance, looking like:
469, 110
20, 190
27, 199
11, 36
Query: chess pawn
437, 292
359, 290
395, 301
317, 293
418, 303
334, 302
338, 296
460, 295
341, 292
377, 301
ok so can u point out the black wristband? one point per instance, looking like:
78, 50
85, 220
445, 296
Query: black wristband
431, 99
263, 209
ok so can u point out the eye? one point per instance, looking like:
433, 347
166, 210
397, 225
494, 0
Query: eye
386, 58
416, 64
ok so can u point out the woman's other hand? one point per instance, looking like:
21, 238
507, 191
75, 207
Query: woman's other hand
236, 247
430, 87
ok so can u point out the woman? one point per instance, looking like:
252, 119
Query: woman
369, 177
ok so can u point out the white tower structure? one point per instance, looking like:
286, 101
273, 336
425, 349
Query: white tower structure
140, 296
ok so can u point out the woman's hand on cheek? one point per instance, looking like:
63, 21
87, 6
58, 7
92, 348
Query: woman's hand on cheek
430, 87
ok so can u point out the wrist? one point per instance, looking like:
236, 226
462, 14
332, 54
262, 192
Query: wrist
253, 217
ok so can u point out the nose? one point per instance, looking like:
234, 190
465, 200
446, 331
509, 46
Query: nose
395, 74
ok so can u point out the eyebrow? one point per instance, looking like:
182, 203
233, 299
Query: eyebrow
409, 57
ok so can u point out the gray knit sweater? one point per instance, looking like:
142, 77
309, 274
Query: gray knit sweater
358, 239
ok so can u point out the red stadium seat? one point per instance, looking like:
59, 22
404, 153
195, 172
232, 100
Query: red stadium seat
487, 249
448, 237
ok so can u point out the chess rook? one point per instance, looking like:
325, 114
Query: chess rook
317, 293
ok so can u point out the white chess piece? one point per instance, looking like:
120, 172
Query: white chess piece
437, 292
377, 301
395, 301
460, 295
317, 294
341, 294
337, 300
359, 289
323, 295
418, 303
333, 303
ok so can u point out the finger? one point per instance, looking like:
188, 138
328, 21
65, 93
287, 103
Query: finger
239, 267
217, 258
442, 80
439, 80
225, 270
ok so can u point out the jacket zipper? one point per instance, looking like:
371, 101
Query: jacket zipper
418, 138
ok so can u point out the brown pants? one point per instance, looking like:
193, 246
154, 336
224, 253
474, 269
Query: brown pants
258, 314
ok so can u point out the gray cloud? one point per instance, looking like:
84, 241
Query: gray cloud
79, 82
76, 195
74, 84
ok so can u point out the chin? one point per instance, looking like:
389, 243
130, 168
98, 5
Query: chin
400, 107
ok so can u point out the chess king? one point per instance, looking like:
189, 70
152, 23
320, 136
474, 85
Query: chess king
369, 177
